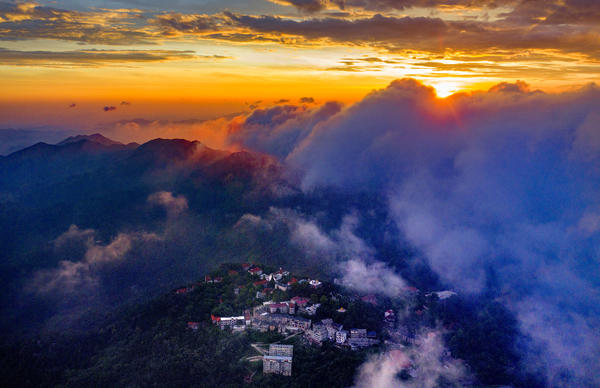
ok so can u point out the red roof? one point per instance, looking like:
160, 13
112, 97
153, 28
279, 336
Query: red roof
215, 318
254, 270
300, 301
261, 282
246, 265
232, 272
182, 291
293, 281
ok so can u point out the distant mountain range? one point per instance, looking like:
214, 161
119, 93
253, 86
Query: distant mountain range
12, 140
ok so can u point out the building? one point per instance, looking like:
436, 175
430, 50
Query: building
282, 287
318, 334
282, 323
279, 361
281, 350
333, 329
341, 336
233, 323
315, 283
300, 301
310, 310
193, 325
358, 333
255, 271
278, 308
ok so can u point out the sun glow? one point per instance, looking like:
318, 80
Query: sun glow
446, 88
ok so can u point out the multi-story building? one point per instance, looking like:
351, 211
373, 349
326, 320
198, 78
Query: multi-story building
341, 336
318, 334
279, 360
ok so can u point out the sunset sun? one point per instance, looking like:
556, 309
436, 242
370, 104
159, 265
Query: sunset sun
444, 89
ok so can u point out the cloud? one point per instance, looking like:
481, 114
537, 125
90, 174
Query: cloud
425, 365
30, 20
173, 204
339, 251
503, 181
91, 57
308, 6
276, 130
307, 100
375, 278
81, 278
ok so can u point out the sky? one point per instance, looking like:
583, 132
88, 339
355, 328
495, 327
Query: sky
62, 62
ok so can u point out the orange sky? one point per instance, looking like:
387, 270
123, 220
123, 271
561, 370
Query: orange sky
202, 59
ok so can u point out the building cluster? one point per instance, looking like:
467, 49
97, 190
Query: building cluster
281, 281
279, 360
236, 324
327, 330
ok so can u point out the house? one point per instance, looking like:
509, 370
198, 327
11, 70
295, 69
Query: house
282, 287
311, 310
292, 281
232, 272
218, 280
341, 336
341, 310
246, 266
299, 301
315, 283
207, 279
255, 271
181, 291
260, 283
279, 360
193, 325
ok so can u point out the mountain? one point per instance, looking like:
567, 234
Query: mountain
96, 138
44, 164
12, 140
